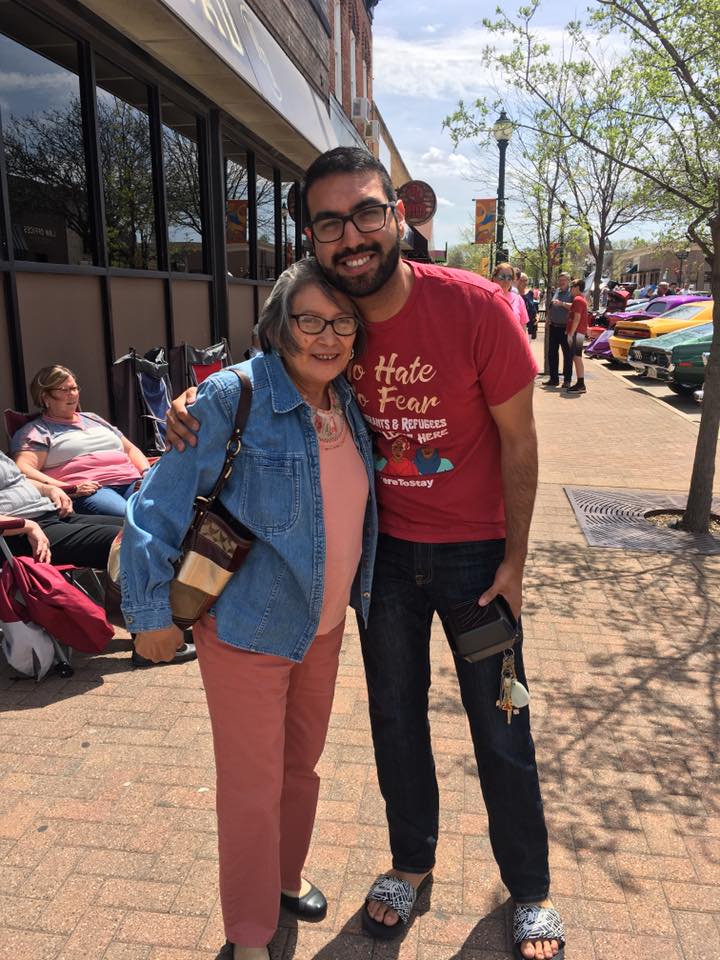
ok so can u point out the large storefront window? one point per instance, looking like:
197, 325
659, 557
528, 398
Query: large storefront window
236, 210
182, 189
126, 159
265, 193
43, 140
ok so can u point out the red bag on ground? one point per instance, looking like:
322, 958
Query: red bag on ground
39, 593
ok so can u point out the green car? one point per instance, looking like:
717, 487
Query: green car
675, 357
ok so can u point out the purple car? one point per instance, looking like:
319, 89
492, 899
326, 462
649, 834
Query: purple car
600, 347
656, 307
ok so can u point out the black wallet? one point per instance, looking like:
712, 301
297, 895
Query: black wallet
477, 632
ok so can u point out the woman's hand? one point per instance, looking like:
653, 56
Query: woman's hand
38, 541
160, 646
61, 500
86, 488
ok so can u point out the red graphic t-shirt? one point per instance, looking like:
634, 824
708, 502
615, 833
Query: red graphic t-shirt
425, 385
579, 305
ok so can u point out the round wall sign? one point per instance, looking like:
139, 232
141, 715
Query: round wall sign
419, 201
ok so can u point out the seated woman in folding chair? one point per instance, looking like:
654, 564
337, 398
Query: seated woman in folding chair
66, 446
53, 533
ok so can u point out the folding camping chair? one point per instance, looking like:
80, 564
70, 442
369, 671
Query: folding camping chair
189, 366
141, 389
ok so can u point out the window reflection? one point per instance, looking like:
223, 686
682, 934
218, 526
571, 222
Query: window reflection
288, 212
182, 189
236, 211
265, 194
42, 132
126, 158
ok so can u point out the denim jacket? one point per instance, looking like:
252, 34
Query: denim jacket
272, 604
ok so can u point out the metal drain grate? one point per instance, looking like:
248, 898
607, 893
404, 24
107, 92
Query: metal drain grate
616, 518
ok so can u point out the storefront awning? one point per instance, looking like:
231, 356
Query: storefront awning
227, 54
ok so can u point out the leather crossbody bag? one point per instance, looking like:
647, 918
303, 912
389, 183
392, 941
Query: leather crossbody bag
214, 547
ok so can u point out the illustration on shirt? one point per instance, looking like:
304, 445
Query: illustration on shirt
407, 459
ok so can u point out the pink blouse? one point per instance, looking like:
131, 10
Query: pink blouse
345, 488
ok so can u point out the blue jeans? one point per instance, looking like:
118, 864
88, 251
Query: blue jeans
412, 581
107, 501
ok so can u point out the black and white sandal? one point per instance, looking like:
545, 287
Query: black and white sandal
531, 922
400, 896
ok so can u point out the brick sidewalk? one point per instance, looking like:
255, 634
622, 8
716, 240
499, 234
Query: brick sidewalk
107, 827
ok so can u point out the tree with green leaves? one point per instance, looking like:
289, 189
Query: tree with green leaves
664, 87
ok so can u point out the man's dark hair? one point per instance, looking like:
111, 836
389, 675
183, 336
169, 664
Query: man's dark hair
345, 160
578, 282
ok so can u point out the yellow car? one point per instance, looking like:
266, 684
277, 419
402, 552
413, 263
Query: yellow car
686, 315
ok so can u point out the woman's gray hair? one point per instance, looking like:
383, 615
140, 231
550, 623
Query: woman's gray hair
276, 328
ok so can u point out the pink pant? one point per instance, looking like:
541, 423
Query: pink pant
269, 720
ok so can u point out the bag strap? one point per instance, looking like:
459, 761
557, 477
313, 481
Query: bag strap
232, 447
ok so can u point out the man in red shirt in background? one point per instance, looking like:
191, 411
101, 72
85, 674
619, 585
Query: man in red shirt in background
448, 374
576, 331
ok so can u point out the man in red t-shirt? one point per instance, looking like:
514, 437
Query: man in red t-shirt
446, 385
576, 331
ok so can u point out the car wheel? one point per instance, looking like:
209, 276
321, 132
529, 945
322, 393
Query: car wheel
683, 389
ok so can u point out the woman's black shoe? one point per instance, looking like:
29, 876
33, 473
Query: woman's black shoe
313, 906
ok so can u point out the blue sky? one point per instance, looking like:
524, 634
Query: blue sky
427, 56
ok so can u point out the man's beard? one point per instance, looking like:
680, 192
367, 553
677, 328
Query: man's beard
366, 284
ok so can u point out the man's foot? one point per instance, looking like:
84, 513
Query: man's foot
551, 383
540, 946
579, 387
566, 384
382, 912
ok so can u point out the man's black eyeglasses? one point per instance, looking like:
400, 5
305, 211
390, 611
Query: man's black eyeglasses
366, 220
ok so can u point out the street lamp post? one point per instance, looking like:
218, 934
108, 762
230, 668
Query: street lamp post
681, 255
502, 131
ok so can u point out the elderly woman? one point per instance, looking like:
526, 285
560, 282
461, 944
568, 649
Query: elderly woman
64, 446
504, 276
268, 651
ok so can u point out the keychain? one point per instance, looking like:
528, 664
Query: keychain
513, 694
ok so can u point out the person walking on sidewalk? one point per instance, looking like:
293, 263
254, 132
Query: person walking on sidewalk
446, 366
503, 275
558, 317
530, 305
268, 651
576, 332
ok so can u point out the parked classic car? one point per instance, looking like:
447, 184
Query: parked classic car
600, 346
675, 356
692, 312
603, 321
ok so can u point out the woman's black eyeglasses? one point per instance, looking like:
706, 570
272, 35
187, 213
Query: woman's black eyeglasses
309, 323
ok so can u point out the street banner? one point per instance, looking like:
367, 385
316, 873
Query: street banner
485, 220
555, 254
236, 221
